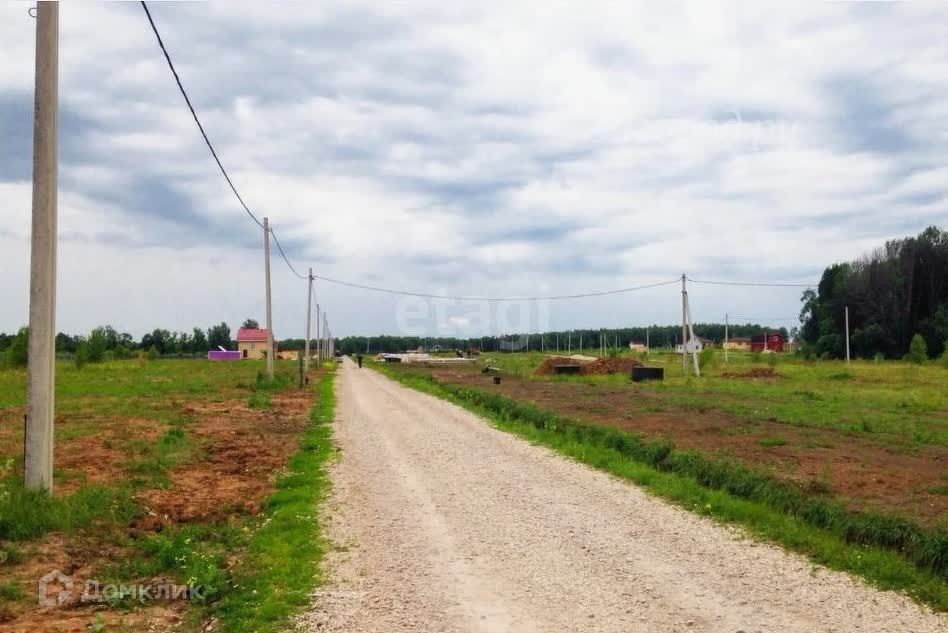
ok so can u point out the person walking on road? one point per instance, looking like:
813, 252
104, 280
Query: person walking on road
359, 360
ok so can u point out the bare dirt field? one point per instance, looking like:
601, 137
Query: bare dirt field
442, 523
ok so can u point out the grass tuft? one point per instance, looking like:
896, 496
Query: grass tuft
26, 514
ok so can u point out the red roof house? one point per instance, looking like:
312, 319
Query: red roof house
252, 342
772, 341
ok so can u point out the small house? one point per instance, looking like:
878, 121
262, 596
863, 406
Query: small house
771, 342
693, 345
252, 343
636, 346
738, 344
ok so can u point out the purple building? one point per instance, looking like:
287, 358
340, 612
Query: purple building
216, 354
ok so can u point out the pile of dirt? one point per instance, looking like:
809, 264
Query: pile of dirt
757, 372
598, 366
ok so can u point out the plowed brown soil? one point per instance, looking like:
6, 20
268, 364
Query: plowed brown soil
863, 473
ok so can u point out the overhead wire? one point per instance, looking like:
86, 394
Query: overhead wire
197, 120
426, 295
283, 255
751, 283
350, 284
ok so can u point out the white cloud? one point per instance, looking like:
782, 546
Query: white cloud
483, 149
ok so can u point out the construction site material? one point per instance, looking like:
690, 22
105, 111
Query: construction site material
586, 365
424, 358
642, 374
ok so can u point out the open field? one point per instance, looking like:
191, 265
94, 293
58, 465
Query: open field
164, 470
874, 434
864, 443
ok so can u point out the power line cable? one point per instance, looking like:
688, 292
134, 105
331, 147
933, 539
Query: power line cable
765, 318
750, 283
286, 259
482, 298
194, 114
283, 255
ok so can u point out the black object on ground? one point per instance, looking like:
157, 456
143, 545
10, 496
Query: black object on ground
642, 374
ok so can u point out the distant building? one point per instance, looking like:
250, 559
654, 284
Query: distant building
252, 343
694, 345
288, 354
738, 344
771, 342
636, 346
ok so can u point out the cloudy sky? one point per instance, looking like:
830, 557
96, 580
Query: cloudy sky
499, 149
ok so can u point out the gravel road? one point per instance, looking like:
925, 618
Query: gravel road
442, 523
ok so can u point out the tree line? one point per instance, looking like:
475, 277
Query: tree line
107, 342
895, 294
657, 336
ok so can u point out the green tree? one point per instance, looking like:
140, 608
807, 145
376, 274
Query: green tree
219, 335
251, 323
19, 351
198, 341
918, 350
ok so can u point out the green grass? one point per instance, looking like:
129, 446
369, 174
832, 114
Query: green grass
890, 552
11, 591
281, 567
893, 401
260, 400
26, 514
769, 442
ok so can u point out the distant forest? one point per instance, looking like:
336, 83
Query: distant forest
894, 293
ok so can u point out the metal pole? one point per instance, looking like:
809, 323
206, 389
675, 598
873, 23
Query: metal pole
266, 269
684, 331
847, 335
309, 312
41, 372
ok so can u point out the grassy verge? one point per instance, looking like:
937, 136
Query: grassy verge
889, 552
278, 573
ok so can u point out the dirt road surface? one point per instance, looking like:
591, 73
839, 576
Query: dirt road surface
442, 523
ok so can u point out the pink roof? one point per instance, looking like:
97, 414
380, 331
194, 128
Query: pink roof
249, 334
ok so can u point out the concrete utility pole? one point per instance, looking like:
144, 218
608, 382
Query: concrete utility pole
309, 313
319, 340
41, 373
725, 337
694, 345
266, 270
684, 330
847, 335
